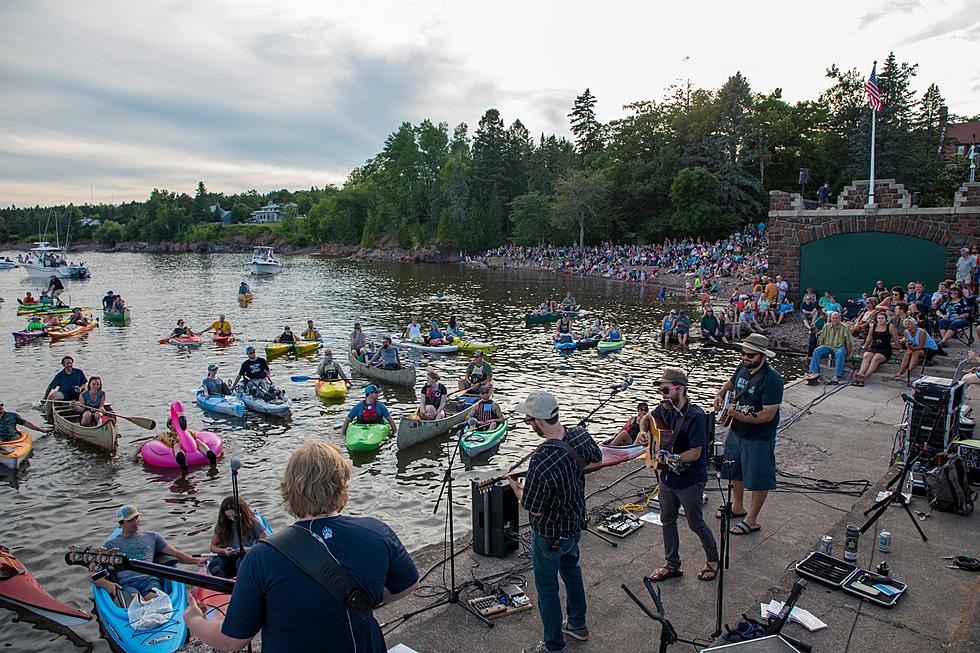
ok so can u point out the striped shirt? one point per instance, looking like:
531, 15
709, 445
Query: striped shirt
835, 337
555, 485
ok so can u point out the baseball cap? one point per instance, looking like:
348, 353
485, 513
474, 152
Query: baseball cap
673, 312
477, 352
212, 367
539, 404
250, 349
127, 512
370, 388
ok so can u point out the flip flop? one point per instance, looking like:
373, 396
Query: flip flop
708, 572
742, 528
721, 509
663, 573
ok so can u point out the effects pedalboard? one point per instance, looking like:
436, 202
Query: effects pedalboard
620, 524
509, 599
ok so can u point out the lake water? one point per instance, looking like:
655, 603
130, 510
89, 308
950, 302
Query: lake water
67, 493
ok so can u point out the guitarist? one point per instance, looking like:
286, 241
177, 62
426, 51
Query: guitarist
554, 495
751, 441
684, 451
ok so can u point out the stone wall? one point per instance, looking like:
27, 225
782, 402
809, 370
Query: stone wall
791, 225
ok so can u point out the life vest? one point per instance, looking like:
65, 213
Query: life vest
370, 414
330, 372
432, 395
485, 414
311, 334
478, 374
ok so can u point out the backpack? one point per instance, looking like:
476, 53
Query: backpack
948, 488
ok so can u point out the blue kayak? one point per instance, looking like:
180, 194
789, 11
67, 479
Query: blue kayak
165, 638
226, 405
562, 346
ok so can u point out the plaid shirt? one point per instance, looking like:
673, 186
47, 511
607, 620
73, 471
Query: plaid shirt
555, 486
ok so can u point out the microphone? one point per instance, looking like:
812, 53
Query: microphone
622, 386
471, 423
236, 464
912, 400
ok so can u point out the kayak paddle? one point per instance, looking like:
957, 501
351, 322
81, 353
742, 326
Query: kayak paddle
142, 422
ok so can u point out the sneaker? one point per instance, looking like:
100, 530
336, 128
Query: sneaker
581, 634
540, 648
182, 461
213, 459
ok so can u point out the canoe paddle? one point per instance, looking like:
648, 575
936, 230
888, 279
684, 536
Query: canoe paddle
142, 422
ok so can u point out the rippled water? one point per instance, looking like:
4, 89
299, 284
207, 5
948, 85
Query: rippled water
67, 493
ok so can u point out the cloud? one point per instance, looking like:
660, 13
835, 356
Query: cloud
889, 8
962, 22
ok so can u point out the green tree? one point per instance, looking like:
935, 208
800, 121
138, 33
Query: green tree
580, 196
695, 193
201, 207
109, 233
489, 152
531, 215
584, 125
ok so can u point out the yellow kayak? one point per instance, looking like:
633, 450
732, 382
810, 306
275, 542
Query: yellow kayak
469, 346
331, 389
17, 450
274, 349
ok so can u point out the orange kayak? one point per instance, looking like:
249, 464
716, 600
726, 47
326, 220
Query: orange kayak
19, 588
19, 450
71, 331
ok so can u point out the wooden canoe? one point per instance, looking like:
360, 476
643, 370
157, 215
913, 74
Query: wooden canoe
404, 377
66, 421
413, 431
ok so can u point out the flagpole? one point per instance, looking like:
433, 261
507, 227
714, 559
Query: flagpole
871, 183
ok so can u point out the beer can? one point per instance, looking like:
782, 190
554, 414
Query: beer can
851, 535
827, 545
885, 542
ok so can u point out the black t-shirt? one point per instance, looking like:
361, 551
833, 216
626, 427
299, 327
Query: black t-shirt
764, 391
693, 433
257, 369
56, 284
433, 396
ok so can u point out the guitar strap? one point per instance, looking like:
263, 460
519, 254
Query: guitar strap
753, 381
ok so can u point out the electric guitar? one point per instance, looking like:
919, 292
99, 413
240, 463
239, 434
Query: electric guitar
99, 558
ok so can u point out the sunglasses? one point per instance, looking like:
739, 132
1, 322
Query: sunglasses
664, 389
750, 354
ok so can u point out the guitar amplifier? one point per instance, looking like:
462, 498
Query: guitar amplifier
935, 423
496, 520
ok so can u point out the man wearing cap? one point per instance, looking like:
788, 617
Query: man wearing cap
358, 341
554, 496
964, 268
138, 544
8, 427
255, 370
220, 327
751, 440
213, 384
329, 369
368, 411
479, 375
107, 300
682, 483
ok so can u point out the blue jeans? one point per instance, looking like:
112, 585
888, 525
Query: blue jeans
547, 566
946, 324
840, 358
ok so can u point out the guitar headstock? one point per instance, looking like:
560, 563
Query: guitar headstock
94, 556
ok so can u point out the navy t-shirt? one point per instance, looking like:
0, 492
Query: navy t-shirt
295, 613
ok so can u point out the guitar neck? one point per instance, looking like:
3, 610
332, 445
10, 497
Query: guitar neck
105, 558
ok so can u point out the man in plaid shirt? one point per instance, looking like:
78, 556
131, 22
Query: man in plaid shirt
554, 495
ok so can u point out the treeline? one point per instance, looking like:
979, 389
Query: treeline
698, 162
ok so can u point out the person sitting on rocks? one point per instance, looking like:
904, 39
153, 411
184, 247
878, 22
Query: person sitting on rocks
954, 314
917, 343
878, 348
851, 310
710, 328
809, 305
834, 340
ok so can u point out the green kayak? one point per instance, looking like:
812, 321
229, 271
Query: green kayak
544, 318
611, 345
118, 318
367, 437
476, 442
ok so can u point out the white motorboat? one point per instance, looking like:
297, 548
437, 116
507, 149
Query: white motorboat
264, 261
7, 264
45, 259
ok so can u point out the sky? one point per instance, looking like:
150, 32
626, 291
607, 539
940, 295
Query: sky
105, 100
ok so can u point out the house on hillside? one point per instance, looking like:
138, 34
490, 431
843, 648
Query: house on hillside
219, 213
959, 137
272, 212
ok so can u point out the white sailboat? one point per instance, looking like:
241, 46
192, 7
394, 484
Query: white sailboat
45, 259
264, 261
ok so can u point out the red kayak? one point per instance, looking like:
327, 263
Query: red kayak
615, 455
18, 587
223, 340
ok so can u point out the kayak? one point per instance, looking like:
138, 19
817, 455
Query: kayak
331, 389
223, 340
367, 437
163, 638
279, 406
20, 449
476, 442
48, 310
71, 331
274, 349
587, 343
186, 341
563, 346
22, 337
615, 455
246, 298
469, 346
225, 405
213, 603
421, 346
19, 588
611, 345
117, 318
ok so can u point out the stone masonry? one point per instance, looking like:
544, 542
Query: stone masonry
791, 225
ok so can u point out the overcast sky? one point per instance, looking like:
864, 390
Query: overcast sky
109, 99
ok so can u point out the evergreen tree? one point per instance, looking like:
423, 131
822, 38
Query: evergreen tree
585, 127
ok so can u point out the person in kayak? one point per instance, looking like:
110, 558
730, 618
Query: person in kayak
66, 384
213, 385
413, 331
594, 332
169, 438
358, 341
182, 331
454, 328
142, 545
368, 411
55, 288
386, 357
8, 427
287, 336
637, 424
311, 332
90, 403
434, 337
478, 375
568, 303
220, 327
667, 327
225, 544
107, 300
35, 324
255, 370
563, 330
118, 304
243, 289
613, 333
486, 411
77, 318
432, 402
28, 299
329, 369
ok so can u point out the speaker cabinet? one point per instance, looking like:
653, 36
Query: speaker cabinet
496, 520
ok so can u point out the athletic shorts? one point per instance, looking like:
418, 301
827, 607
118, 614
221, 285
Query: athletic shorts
755, 462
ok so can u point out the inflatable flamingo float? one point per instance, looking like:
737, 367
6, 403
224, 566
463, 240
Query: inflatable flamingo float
158, 454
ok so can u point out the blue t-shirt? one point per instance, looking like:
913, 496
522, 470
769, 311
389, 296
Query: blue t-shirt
389, 355
68, 383
357, 411
144, 545
294, 612
693, 434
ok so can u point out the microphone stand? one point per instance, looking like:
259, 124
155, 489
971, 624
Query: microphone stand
238, 509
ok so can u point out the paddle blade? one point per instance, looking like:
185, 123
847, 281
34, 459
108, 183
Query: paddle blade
300, 378
142, 422
164, 341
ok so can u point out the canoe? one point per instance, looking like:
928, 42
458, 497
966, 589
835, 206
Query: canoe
611, 345
186, 341
301, 348
22, 337
165, 638
224, 405
413, 431
367, 437
615, 455
116, 318
66, 422
476, 442
544, 318
331, 389
278, 407
19, 588
223, 340
419, 346
469, 346
403, 377
20, 449
72, 331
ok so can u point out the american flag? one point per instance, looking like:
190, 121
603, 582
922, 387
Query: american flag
871, 88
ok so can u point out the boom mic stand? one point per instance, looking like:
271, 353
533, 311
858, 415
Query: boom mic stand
718, 462
236, 464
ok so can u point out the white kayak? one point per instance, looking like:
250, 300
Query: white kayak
421, 346
279, 406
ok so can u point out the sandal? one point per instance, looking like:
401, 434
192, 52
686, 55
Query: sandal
663, 573
742, 528
720, 513
709, 571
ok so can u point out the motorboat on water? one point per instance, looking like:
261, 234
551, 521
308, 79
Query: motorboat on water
264, 261
45, 259
6, 263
